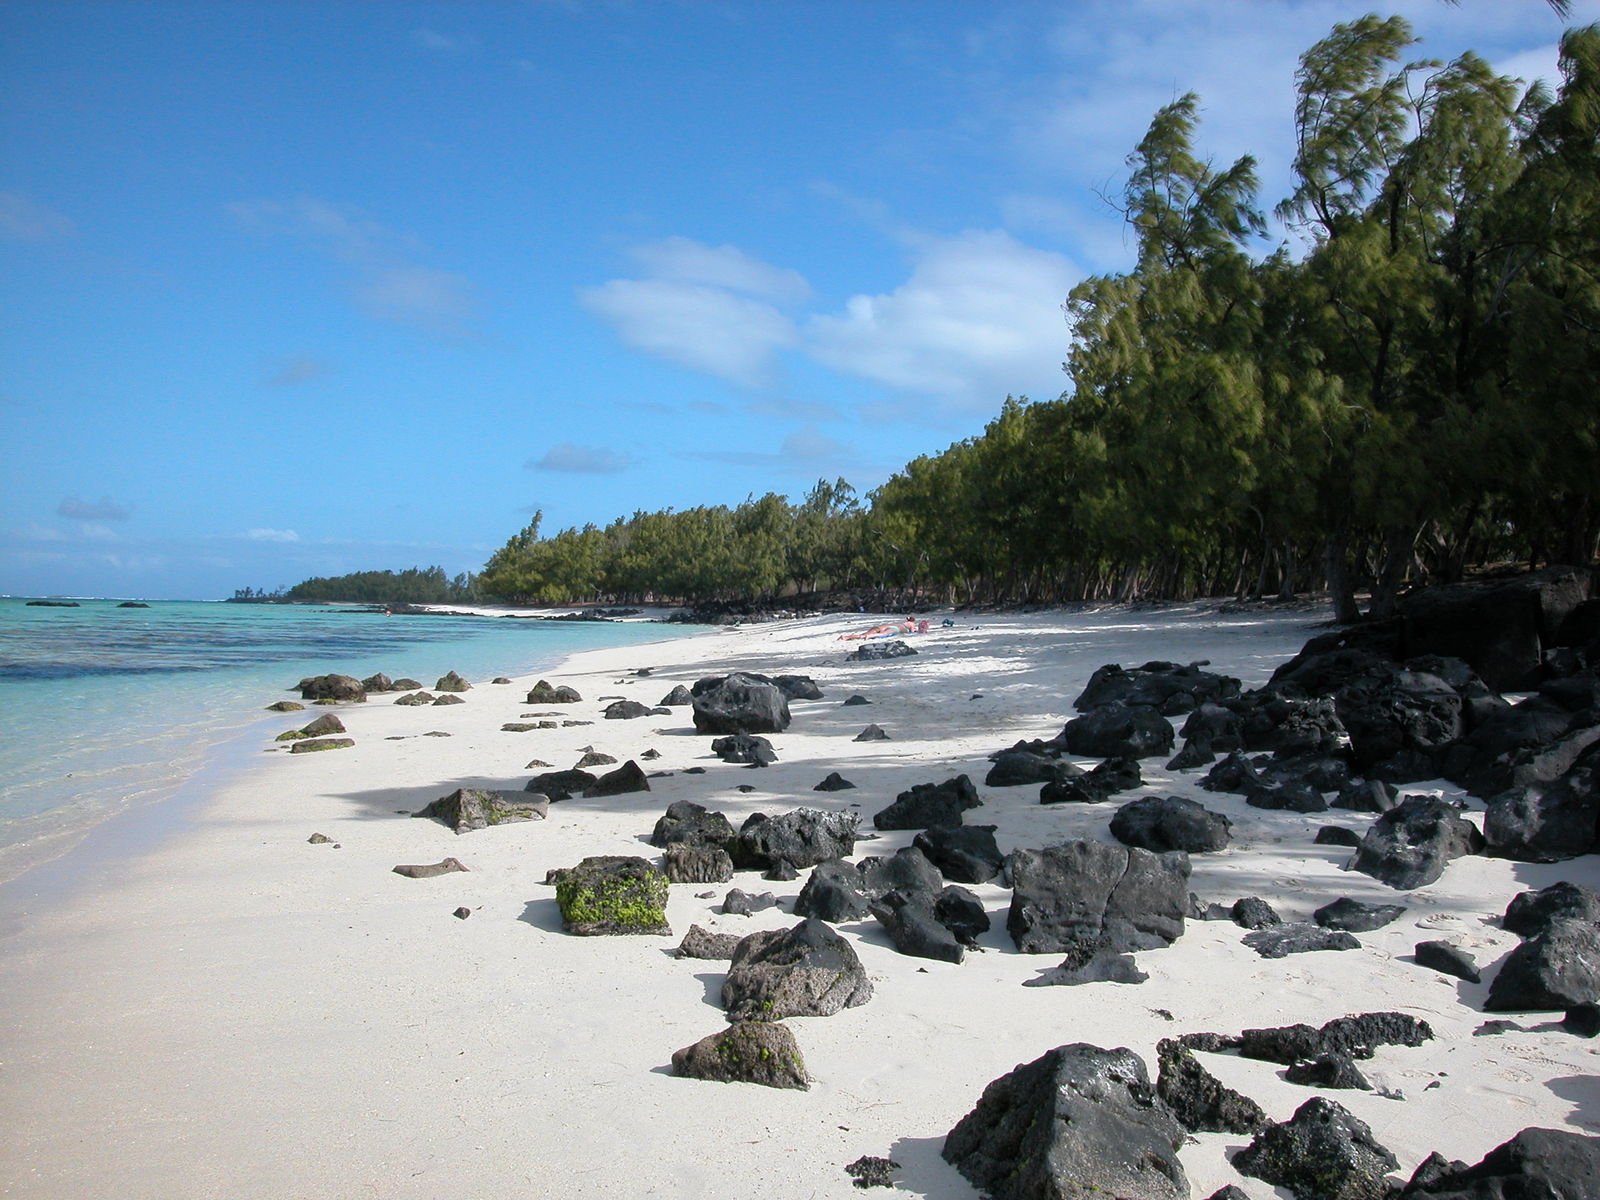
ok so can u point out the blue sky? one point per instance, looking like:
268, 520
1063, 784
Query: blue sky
297, 288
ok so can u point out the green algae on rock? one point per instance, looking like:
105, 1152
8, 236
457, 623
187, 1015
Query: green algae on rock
612, 894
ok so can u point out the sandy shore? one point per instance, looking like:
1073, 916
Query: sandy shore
239, 1013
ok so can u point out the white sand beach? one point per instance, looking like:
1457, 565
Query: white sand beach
239, 1013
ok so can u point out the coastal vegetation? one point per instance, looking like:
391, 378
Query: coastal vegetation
1400, 390
414, 585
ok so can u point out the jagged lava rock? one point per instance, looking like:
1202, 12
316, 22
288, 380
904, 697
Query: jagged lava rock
801, 838
1076, 1123
1536, 1164
964, 853
1091, 894
1162, 823
739, 703
468, 809
1116, 729
1408, 846
1323, 1152
1552, 971
929, 804
805, 971
760, 1052
1198, 1098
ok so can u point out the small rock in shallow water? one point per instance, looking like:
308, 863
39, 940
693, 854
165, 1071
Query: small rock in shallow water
429, 870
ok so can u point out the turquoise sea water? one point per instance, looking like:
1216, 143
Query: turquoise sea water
109, 708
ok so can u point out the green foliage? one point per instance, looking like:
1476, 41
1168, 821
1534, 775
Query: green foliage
414, 585
1409, 390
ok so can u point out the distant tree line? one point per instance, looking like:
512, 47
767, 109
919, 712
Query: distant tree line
1407, 389
414, 585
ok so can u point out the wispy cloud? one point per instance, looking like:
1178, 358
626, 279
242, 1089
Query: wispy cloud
580, 460
298, 368
709, 308
24, 219
979, 317
271, 535
385, 279
443, 43
103, 509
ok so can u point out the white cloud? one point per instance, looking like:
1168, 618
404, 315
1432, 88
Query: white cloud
1530, 65
582, 460
980, 317
103, 509
695, 325
686, 261
272, 535
23, 219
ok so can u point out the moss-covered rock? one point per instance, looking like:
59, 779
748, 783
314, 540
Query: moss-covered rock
466, 809
612, 894
761, 1052
452, 683
286, 706
312, 745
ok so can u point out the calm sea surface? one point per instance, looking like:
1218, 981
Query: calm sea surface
108, 708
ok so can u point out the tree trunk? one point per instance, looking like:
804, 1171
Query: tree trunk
1396, 561
1341, 588
1286, 587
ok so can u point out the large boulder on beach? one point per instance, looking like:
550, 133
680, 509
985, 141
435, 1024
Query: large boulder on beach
805, 971
544, 692
914, 927
739, 703
452, 682
1117, 729
907, 870
469, 809
625, 780
1553, 971
560, 785
1501, 628
964, 853
1076, 1123
612, 894
1162, 823
1536, 1164
1014, 768
747, 748
762, 1052
690, 824
1166, 687
833, 893
1401, 723
801, 838
332, 687
928, 804
1091, 895
1530, 913
625, 710
1323, 1152
1534, 741
1408, 846
1549, 822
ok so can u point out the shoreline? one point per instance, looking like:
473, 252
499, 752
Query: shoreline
255, 1015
